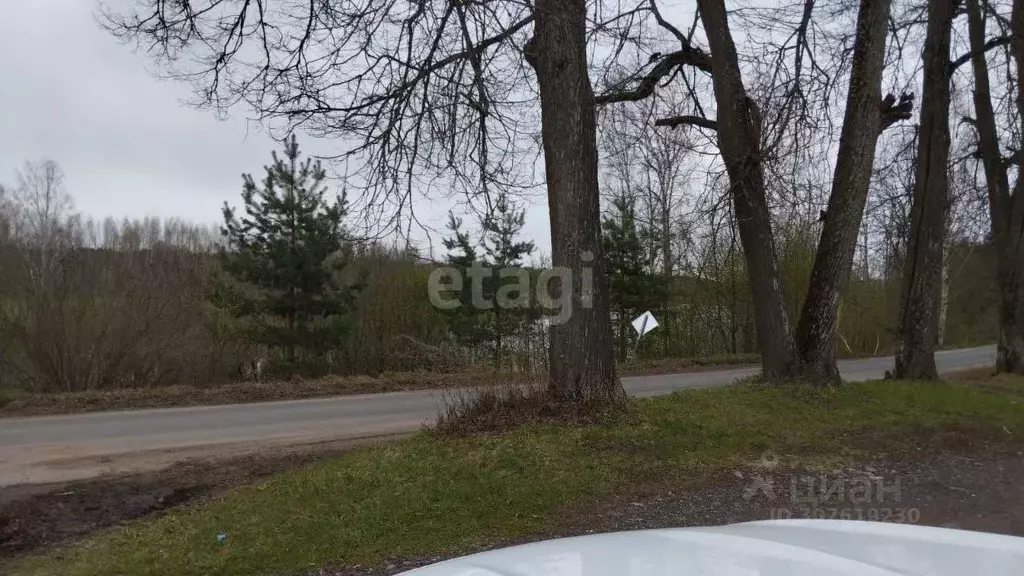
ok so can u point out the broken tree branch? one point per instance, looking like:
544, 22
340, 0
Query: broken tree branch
892, 112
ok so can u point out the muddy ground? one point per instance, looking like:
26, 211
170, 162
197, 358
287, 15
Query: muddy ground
35, 516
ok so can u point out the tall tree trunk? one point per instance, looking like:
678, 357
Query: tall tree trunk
739, 140
996, 181
1011, 337
919, 300
1005, 209
866, 265
838, 244
582, 361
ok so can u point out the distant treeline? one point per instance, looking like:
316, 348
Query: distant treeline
80, 315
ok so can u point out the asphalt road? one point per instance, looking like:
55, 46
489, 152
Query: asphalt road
54, 448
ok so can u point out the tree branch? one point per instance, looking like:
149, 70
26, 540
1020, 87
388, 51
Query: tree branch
686, 120
965, 58
688, 56
683, 40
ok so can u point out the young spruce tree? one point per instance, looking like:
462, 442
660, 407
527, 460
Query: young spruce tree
509, 284
467, 323
506, 299
285, 256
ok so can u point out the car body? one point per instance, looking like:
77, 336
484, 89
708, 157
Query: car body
769, 548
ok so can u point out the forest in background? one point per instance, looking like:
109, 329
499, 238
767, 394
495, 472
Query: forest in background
783, 182
108, 305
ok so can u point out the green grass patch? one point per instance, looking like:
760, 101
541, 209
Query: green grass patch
440, 495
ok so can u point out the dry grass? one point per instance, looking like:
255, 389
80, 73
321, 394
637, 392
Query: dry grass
970, 374
13, 403
645, 366
506, 407
18, 403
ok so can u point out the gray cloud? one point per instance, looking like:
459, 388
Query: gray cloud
129, 147
73, 94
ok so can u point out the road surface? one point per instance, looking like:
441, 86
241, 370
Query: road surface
57, 448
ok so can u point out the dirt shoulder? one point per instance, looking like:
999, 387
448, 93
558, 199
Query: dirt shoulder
17, 404
984, 493
38, 515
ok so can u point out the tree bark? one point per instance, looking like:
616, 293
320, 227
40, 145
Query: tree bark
739, 140
666, 236
996, 180
940, 334
582, 355
838, 244
668, 268
917, 324
1005, 209
1011, 254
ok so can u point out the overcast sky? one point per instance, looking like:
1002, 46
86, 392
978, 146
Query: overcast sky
71, 93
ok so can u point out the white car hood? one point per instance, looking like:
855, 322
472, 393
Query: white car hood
771, 548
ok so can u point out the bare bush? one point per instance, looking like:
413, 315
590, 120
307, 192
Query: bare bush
75, 316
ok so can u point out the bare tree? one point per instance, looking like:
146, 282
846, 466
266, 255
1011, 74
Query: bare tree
42, 218
738, 128
431, 88
657, 166
864, 120
416, 89
582, 349
739, 139
1006, 205
917, 325
6, 215
746, 141
41, 202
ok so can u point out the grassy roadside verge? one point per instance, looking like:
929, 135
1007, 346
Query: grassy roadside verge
647, 367
15, 403
436, 495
